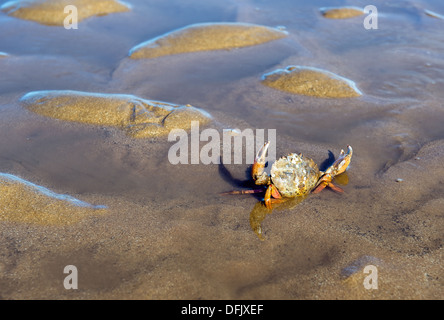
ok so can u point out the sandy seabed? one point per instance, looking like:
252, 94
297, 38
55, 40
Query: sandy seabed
167, 232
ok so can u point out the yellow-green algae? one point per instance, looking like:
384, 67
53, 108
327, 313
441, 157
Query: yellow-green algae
23, 201
51, 12
311, 82
341, 12
206, 37
139, 118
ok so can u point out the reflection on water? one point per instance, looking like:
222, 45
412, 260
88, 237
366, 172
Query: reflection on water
260, 212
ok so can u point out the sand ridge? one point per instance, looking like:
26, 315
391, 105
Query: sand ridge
25, 202
341, 12
50, 12
311, 82
139, 118
206, 37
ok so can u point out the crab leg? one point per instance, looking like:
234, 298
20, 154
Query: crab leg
272, 195
324, 184
320, 187
335, 188
243, 191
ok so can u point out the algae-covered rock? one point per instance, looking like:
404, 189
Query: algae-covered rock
311, 82
139, 118
206, 37
23, 201
341, 12
52, 12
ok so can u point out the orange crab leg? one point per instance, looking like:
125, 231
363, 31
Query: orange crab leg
335, 188
272, 195
320, 187
324, 184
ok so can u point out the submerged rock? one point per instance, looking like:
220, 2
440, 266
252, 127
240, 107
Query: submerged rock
341, 12
51, 12
23, 201
139, 118
206, 37
311, 82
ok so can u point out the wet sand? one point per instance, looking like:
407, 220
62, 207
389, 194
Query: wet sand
206, 37
341, 12
167, 233
311, 82
139, 118
53, 12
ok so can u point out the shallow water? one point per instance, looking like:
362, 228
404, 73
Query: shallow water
169, 233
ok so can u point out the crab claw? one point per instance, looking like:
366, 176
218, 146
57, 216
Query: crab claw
257, 170
342, 163
260, 156
338, 167
272, 195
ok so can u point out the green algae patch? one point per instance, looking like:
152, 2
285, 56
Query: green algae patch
139, 118
341, 12
311, 82
206, 37
23, 201
52, 12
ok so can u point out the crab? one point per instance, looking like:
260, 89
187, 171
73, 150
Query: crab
295, 175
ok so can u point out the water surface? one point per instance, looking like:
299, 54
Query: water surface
169, 234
